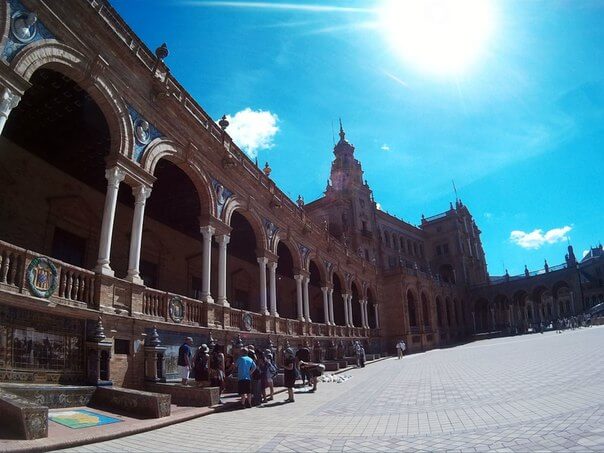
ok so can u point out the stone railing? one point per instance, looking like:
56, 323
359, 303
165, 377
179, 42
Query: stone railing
76, 284
155, 303
12, 265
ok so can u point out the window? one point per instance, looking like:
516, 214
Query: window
68, 247
121, 346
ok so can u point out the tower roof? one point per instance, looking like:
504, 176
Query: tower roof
343, 147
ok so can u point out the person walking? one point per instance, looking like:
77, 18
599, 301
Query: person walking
271, 373
360, 353
185, 362
400, 348
245, 367
289, 373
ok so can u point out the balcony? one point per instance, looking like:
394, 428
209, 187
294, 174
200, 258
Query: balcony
68, 285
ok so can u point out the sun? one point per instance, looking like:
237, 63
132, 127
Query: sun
438, 36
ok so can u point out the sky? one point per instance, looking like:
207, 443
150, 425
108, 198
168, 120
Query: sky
506, 98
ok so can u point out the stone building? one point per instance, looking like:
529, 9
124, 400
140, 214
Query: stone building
120, 198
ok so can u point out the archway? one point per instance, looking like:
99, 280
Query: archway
242, 263
371, 309
286, 285
315, 295
356, 307
338, 302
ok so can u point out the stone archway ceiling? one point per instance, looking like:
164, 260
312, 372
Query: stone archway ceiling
59, 122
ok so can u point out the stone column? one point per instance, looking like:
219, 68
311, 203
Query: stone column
346, 321
206, 263
141, 193
262, 267
325, 290
364, 313
331, 317
8, 101
114, 177
350, 318
272, 278
223, 241
377, 316
306, 301
298, 279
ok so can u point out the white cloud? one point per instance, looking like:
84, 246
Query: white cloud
385, 147
253, 130
536, 238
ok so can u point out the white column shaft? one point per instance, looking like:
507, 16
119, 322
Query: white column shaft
325, 290
298, 279
262, 267
272, 273
141, 193
346, 320
306, 300
206, 263
331, 317
114, 177
350, 312
223, 241
377, 317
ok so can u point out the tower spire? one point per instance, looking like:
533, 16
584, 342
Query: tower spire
342, 133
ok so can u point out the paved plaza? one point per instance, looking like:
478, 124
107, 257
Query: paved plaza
533, 392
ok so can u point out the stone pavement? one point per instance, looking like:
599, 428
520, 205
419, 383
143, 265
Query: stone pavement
534, 392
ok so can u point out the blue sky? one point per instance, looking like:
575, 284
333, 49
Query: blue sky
520, 129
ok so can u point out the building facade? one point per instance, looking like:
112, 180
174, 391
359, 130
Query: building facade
122, 200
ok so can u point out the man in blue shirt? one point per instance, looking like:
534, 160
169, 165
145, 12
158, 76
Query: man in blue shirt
245, 368
184, 359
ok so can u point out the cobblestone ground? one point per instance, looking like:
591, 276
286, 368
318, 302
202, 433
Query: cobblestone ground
535, 392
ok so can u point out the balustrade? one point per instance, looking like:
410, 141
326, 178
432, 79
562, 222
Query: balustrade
12, 260
76, 284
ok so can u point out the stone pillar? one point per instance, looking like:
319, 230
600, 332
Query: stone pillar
363, 304
272, 277
325, 290
141, 193
377, 316
346, 321
114, 177
298, 279
223, 241
8, 101
206, 263
350, 318
306, 301
262, 267
331, 317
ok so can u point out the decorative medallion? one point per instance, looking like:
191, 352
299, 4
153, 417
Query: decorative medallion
222, 196
304, 251
176, 309
246, 321
271, 229
144, 133
25, 28
42, 277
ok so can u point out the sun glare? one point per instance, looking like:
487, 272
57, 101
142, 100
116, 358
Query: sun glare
438, 36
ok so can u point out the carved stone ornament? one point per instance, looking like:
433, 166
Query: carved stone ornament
290, 327
24, 26
246, 321
42, 277
176, 309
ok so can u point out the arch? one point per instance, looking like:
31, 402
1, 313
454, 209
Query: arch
234, 205
338, 303
313, 258
162, 148
356, 307
371, 308
292, 247
49, 53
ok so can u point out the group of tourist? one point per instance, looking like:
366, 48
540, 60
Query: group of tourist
573, 322
400, 348
256, 371
205, 366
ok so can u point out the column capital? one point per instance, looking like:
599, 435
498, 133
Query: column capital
324, 289
222, 239
272, 265
207, 231
8, 101
298, 277
262, 260
114, 176
141, 193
